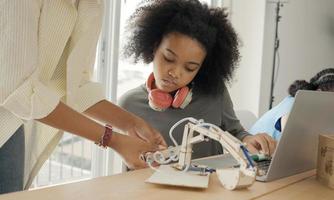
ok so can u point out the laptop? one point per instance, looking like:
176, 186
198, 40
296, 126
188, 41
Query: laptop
312, 114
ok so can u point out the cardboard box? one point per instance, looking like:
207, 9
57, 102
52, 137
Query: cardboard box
325, 165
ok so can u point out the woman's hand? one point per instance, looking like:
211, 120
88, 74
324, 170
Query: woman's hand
130, 149
260, 142
129, 123
145, 132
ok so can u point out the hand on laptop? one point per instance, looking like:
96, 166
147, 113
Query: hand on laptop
260, 142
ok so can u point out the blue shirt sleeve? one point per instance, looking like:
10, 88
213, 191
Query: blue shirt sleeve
267, 122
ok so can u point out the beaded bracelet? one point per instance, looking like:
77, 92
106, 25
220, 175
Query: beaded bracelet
105, 137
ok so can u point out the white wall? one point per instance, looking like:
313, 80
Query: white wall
306, 33
248, 20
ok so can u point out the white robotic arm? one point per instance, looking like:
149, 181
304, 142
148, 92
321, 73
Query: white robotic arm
198, 131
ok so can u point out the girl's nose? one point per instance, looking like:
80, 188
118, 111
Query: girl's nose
174, 73
170, 73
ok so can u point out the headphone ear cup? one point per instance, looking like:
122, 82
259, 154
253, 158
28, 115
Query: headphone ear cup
149, 82
182, 98
159, 100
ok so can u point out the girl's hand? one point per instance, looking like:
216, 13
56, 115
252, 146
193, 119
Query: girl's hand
260, 142
130, 149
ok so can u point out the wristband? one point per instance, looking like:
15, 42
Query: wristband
105, 137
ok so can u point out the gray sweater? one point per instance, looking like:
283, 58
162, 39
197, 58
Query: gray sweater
215, 110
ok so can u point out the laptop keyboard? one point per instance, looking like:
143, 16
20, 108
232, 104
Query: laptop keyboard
263, 166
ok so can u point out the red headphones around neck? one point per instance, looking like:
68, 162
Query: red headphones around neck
160, 100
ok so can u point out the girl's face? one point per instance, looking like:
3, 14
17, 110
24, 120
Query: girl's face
176, 62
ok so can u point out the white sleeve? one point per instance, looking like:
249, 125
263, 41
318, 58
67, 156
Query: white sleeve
22, 93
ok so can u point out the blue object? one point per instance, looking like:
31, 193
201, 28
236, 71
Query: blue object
245, 151
270, 121
278, 125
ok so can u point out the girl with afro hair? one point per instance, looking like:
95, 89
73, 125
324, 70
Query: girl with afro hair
194, 51
273, 121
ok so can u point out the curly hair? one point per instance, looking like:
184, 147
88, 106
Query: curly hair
323, 80
209, 26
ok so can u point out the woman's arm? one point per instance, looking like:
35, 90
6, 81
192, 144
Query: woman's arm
67, 119
133, 125
26, 97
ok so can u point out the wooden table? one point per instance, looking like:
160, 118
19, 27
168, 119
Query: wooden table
131, 185
307, 189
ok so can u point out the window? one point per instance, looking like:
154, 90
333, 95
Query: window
70, 161
129, 75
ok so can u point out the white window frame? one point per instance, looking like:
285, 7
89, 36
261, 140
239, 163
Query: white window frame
108, 162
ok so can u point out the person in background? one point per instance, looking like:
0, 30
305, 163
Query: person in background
194, 51
47, 53
273, 121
